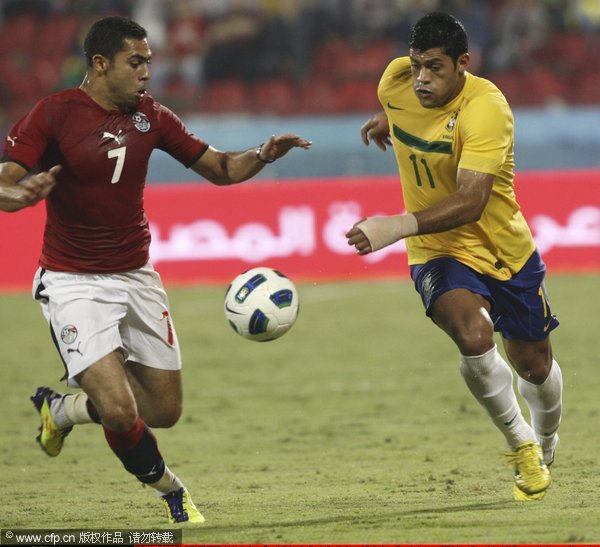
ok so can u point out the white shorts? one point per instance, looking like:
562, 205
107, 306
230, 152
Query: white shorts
93, 315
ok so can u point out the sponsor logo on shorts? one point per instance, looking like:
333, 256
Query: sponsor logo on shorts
427, 287
75, 350
68, 334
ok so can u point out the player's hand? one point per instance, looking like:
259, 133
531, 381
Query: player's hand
357, 238
374, 233
278, 146
377, 129
38, 187
15, 196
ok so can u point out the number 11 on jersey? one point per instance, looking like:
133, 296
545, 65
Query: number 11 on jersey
413, 158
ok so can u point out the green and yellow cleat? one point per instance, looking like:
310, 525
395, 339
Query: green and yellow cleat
532, 477
51, 437
181, 508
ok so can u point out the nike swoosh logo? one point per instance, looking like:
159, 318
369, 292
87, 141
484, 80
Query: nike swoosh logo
392, 107
152, 471
547, 325
232, 311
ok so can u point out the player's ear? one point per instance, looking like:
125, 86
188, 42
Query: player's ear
100, 63
463, 62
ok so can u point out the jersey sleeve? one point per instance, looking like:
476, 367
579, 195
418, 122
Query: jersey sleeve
486, 132
398, 69
177, 141
29, 138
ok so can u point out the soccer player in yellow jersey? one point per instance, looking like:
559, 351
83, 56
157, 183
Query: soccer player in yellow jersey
471, 253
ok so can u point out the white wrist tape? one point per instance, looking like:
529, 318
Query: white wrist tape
383, 231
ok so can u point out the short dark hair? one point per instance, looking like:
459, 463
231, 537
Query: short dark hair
440, 30
106, 36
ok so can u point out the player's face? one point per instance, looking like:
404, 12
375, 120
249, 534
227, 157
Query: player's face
128, 74
436, 79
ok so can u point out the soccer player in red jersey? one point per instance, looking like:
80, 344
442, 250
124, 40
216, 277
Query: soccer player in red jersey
105, 304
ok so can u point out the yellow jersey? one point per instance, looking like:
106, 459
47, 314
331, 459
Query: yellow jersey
474, 131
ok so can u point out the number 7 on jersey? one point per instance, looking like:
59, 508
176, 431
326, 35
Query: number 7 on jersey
118, 153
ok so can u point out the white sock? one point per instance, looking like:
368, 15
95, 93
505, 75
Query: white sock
545, 405
70, 410
490, 380
169, 482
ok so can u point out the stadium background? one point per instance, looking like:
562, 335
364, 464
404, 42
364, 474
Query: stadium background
240, 70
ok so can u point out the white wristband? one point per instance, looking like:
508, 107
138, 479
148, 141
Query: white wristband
383, 231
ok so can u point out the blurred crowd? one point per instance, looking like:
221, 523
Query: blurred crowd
300, 56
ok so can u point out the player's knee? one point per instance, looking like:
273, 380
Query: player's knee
166, 417
476, 337
534, 370
119, 417
531, 360
171, 417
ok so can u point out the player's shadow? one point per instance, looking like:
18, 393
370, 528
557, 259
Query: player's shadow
368, 519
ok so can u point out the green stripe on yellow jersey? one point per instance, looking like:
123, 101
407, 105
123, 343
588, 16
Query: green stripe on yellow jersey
421, 144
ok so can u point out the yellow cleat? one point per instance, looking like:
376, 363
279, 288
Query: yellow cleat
519, 495
532, 477
51, 437
181, 508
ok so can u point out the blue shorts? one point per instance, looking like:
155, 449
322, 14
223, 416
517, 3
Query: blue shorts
519, 306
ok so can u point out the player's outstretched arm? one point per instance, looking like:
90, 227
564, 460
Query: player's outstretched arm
16, 193
376, 129
464, 206
225, 168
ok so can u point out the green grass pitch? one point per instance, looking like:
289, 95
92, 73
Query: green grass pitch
355, 427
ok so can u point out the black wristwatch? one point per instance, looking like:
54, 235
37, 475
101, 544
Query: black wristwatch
258, 151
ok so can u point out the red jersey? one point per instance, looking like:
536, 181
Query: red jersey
95, 214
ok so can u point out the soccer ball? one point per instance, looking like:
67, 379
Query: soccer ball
261, 304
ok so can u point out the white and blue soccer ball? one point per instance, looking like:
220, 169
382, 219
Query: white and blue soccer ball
261, 304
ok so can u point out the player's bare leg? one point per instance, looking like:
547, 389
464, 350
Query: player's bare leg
158, 394
464, 316
107, 391
107, 385
531, 360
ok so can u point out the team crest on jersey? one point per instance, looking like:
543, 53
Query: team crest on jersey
68, 334
450, 125
141, 122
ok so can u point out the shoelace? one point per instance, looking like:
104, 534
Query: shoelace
526, 466
175, 502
